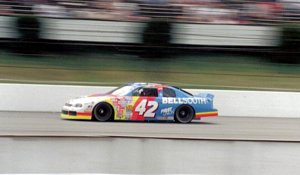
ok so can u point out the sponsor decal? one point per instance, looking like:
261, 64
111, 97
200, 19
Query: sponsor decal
196, 100
167, 111
128, 114
123, 106
129, 107
125, 101
89, 107
117, 102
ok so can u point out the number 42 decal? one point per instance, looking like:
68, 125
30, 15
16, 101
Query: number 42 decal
141, 108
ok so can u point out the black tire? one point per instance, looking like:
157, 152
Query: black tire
184, 114
103, 112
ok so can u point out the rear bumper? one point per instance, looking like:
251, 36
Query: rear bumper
76, 115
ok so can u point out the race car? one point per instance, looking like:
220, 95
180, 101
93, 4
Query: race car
141, 102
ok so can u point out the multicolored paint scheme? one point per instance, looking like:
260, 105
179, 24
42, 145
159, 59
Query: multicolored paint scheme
128, 106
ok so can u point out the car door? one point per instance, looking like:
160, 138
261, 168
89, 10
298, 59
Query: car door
166, 109
145, 103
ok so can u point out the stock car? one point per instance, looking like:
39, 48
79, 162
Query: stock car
141, 102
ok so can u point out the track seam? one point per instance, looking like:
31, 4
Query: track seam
153, 137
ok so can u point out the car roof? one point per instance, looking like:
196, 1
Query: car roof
156, 85
149, 85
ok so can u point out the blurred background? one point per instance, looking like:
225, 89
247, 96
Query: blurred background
215, 44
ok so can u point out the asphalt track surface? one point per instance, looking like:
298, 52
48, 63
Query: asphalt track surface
18, 124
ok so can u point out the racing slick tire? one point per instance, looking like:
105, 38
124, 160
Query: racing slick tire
103, 112
184, 114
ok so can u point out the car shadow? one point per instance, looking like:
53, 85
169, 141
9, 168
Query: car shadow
149, 122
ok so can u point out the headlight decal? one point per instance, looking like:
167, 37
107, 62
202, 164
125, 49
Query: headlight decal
78, 105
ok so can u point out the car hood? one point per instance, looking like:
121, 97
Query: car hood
87, 99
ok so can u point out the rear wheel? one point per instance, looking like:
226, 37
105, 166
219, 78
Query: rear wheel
103, 112
184, 114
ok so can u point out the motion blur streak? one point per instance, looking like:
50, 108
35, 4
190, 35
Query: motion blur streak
210, 42
204, 11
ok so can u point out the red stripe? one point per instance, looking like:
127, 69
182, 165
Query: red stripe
84, 113
206, 115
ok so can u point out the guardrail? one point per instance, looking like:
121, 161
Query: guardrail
50, 98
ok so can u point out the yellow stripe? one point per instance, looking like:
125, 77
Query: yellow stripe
207, 112
79, 117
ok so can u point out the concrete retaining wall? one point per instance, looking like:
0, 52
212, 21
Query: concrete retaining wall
50, 98
146, 156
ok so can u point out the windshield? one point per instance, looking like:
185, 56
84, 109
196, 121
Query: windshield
183, 91
122, 90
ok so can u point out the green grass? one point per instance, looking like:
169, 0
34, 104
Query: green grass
195, 71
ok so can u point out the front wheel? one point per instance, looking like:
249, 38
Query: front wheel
103, 112
184, 114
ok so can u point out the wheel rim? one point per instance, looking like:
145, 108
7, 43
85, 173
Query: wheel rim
184, 114
103, 112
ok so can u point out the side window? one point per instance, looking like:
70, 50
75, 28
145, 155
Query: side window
136, 92
145, 92
167, 92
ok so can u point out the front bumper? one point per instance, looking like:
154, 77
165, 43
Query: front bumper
65, 114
